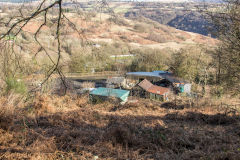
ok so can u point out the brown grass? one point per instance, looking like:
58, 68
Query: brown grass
68, 127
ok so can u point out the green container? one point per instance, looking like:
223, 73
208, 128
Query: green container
109, 92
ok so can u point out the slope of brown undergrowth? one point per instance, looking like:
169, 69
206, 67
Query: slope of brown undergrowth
52, 127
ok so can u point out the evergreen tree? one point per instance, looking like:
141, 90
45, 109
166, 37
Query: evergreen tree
227, 56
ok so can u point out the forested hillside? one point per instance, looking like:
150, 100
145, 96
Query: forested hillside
184, 16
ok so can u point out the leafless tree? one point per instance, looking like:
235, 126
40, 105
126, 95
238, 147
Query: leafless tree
18, 21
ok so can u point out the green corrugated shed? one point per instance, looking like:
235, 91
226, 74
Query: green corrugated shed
109, 92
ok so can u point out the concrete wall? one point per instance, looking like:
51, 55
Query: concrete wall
187, 88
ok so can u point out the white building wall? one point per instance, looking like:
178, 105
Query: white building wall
187, 88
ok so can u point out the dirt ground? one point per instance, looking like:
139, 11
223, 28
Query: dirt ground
69, 127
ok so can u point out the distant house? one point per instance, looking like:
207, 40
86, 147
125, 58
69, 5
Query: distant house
100, 94
96, 45
152, 91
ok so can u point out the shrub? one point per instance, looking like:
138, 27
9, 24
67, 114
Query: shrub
17, 86
141, 27
26, 36
217, 91
192, 64
157, 38
148, 60
6, 113
119, 21
78, 64
181, 37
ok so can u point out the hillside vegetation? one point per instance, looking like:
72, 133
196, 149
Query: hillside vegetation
42, 116
113, 35
51, 127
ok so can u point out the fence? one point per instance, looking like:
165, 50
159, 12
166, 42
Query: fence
95, 74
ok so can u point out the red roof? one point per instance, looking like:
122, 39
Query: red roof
149, 87
158, 90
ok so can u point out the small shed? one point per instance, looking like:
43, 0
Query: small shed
100, 94
158, 93
153, 91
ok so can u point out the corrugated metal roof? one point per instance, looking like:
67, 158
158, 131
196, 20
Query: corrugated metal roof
158, 74
162, 72
149, 87
158, 90
109, 92
145, 84
147, 74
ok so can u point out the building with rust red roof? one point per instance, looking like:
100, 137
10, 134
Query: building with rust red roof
153, 91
